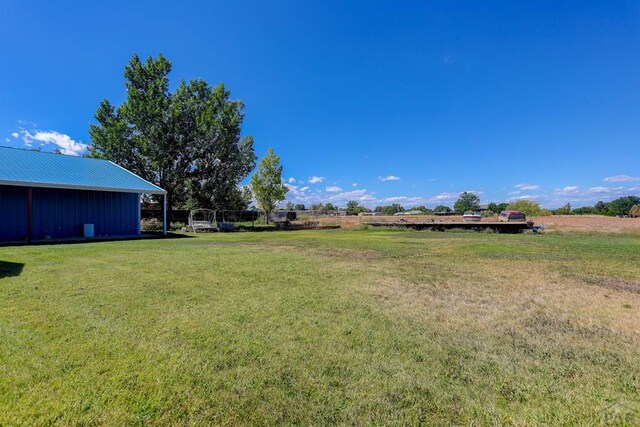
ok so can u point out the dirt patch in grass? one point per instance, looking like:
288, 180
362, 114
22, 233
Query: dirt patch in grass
318, 252
541, 323
613, 283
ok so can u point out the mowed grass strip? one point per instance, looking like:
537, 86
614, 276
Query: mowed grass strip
317, 328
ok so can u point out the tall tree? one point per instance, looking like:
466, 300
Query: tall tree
267, 184
354, 208
187, 142
467, 202
221, 157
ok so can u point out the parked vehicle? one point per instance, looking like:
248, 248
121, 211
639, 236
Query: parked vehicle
509, 216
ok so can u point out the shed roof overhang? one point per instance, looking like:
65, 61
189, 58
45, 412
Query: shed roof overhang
34, 184
27, 168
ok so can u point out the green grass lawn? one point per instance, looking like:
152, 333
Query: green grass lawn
323, 327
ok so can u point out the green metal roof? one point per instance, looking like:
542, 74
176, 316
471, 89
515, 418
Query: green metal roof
36, 169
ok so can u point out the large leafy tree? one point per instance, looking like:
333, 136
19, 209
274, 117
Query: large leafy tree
623, 205
529, 207
221, 157
267, 184
187, 142
354, 208
467, 202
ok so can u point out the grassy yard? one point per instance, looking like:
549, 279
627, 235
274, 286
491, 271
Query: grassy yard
323, 327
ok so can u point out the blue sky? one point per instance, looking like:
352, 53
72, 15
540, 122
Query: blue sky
381, 102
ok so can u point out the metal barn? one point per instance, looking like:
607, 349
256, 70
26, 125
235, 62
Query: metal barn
47, 196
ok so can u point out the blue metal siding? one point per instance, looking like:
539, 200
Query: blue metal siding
61, 213
13, 213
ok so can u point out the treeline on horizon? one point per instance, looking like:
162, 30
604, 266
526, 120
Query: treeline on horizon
622, 206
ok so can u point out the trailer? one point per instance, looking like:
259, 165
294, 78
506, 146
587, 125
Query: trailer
498, 227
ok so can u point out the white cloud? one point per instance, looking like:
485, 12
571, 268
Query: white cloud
446, 197
333, 189
295, 191
566, 190
406, 200
355, 184
291, 180
316, 179
603, 190
15, 134
622, 178
389, 178
62, 141
361, 195
527, 187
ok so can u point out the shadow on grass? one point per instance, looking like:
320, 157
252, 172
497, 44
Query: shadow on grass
10, 269
98, 239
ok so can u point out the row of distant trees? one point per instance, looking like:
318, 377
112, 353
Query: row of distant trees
623, 206
628, 205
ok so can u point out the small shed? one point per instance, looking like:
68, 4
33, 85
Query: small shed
47, 196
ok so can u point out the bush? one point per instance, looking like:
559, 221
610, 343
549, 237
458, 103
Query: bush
177, 226
262, 220
529, 207
635, 211
151, 224
442, 208
586, 210
565, 210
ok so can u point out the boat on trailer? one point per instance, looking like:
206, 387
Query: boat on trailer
472, 216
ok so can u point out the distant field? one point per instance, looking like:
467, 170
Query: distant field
570, 223
324, 327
